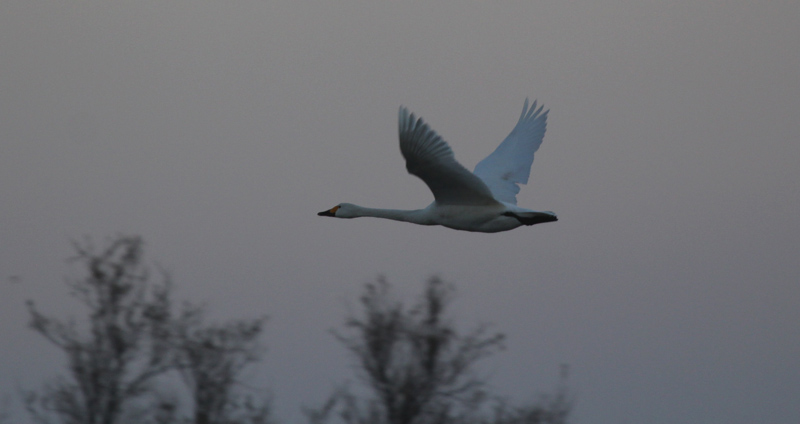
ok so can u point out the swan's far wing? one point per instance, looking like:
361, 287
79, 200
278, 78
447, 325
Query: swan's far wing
510, 164
431, 159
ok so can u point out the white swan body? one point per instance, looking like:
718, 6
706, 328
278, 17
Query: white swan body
481, 201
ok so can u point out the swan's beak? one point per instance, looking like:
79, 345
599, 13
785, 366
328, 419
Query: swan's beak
329, 212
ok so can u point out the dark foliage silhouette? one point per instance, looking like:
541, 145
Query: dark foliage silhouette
132, 338
417, 368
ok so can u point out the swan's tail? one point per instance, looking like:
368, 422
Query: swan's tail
533, 218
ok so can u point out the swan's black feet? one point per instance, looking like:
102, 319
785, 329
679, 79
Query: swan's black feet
532, 218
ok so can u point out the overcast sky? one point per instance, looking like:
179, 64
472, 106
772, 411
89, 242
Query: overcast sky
218, 129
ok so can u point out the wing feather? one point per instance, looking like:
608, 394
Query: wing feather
510, 164
431, 159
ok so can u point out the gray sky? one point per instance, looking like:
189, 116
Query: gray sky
217, 130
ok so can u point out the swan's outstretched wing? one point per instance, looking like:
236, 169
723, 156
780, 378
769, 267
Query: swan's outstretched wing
431, 159
510, 164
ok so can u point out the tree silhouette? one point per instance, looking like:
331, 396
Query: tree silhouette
210, 359
124, 347
131, 339
419, 369
416, 367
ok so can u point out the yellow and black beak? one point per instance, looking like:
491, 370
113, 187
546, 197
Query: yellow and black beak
329, 212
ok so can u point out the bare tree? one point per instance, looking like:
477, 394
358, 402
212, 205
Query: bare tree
419, 368
123, 347
417, 365
131, 338
211, 359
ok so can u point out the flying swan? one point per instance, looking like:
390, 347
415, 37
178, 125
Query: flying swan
484, 200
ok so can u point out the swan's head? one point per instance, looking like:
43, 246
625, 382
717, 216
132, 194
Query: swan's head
342, 210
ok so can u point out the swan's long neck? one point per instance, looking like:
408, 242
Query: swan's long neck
416, 216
